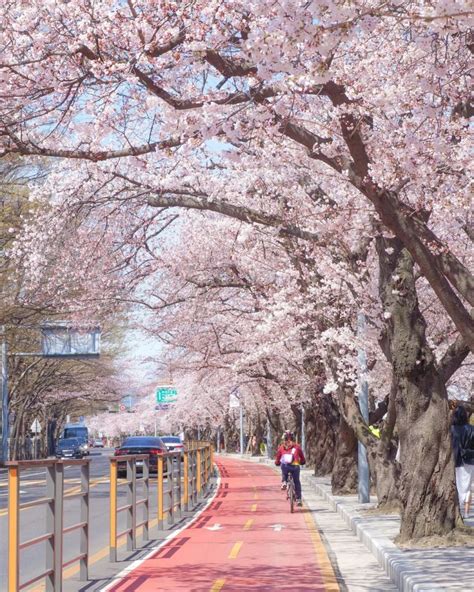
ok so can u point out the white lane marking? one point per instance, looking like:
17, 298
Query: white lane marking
171, 536
277, 527
214, 527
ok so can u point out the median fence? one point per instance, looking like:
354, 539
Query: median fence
54, 522
181, 479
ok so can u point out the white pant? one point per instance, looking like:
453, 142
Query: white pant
463, 482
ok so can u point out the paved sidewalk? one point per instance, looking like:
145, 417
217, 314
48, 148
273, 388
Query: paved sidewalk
424, 570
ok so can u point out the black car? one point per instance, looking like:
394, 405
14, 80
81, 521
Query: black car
69, 448
141, 445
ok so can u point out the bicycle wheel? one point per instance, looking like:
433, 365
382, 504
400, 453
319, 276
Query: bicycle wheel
291, 494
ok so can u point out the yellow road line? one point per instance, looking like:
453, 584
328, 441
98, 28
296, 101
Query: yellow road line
248, 524
217, 586
98, 556
69, 492
254, 507
236, 549
24, 483
325, 565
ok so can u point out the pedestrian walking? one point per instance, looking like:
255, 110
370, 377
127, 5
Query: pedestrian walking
463, 447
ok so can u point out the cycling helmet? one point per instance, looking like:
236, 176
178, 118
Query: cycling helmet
288, 435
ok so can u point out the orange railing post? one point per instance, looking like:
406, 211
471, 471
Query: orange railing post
13, 528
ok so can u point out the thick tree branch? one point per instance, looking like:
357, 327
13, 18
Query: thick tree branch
194, 202
19, 147
453, 358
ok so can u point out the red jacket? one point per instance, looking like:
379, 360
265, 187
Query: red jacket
295, 449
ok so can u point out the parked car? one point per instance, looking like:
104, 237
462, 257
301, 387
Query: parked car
173, 444
69, 448
98, 443
141, 445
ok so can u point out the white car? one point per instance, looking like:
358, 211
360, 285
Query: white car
173, 444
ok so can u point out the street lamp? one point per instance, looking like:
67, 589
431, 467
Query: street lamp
59, 339
363, 463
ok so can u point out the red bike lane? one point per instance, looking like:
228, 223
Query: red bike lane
245, 540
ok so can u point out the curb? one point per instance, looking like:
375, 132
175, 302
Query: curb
401, 571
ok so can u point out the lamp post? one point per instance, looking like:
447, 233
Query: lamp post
363, 486
241, 428
303, 431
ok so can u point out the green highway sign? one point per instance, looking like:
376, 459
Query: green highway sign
166, 394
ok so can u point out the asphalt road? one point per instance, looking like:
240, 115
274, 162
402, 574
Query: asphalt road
33, 520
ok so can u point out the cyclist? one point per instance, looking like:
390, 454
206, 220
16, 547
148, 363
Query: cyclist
290, 456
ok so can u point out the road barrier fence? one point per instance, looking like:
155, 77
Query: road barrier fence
55, 530
182, 478
131, 507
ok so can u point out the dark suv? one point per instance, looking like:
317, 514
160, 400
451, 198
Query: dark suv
69, 448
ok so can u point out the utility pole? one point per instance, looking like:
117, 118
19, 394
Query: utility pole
241, 429
303, 430
363, 464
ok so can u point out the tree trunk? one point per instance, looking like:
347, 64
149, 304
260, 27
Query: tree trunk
322, 422
385, 474
257, 438
427, 488
344, 473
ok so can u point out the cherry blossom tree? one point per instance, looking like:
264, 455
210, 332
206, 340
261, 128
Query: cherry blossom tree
327, 123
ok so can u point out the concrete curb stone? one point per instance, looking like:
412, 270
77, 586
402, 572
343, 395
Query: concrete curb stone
406, 569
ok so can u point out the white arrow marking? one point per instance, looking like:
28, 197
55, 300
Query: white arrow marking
214, 527
277, 527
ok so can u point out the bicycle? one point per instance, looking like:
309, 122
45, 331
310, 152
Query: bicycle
291, 492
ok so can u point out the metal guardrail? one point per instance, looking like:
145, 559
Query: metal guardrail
55, 530
132, 504
170, 503
182, 477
